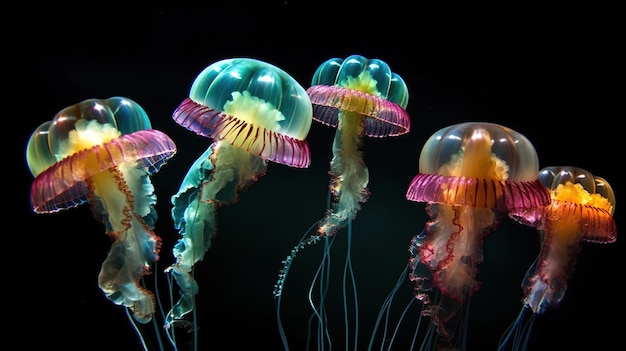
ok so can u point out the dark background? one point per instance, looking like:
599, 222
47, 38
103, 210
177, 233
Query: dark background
551, 74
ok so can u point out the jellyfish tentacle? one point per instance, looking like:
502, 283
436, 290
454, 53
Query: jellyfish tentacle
419, 273
350, 175
455, 274
547, 280
124, 203
123, 269
195, 221
214, 180
450, 251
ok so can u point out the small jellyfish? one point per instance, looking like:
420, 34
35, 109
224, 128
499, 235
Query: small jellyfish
254, 112
102, 152
581, 209
359, 97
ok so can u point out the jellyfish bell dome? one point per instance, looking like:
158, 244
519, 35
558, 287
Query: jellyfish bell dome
366, 87
482, 165
252, 105
49, 142
582, 198
516, 154
85, 139
554, 176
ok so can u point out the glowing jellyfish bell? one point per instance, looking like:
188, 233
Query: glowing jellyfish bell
470, 175
102, 152
581, 209
359, 97
254, 112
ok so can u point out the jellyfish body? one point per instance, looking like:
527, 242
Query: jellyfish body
357, 96
102, 152
581, 209
254, 112
470, 175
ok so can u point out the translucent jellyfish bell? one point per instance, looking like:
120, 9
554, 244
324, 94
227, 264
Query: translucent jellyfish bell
363, 86
478, 164
596, 208
252, 105
112, 132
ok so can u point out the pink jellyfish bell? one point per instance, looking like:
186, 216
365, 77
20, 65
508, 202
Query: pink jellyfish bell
102, 152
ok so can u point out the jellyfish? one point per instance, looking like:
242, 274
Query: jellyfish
581, 209
470, 176
254, 112
103, 152
359, 97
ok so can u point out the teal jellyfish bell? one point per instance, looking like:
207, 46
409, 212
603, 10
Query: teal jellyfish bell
252, 105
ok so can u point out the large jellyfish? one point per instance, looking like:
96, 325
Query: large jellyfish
359, 97
255, 113
102, 152
581, 209
470, 175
